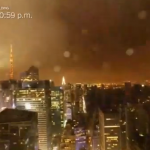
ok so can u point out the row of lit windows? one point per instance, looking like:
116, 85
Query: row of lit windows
31, 99
16, 143
55, 105
56, 93
31, 90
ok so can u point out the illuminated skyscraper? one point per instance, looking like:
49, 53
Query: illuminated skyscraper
74, 100
83, 141
78, 99
30, 77
68, 137
57, 110
32, 74
38, 99
67, 102
137, 125
109, 130
57, 116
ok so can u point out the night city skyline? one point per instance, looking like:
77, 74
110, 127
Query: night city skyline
98, 36
74, 75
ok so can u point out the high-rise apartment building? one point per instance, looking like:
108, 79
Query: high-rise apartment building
109, 130
95, 134
137, 126
18, 130
57, 111
96, 142
74, 100
68, 137
38, 99
131, 127
83, 140
78, 98
123, 124
68, 111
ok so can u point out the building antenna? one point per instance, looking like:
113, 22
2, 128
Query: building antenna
11, 60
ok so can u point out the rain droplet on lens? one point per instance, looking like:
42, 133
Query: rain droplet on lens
142, 14
57, 68
129, 51
67, 54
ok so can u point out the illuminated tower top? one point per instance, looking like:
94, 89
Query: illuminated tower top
63, 81
11, 73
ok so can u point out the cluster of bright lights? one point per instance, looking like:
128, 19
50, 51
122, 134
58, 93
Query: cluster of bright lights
84, 105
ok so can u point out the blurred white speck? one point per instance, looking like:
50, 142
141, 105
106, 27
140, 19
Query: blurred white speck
84, 31
129, 51
66, 54
142, 14
57, 68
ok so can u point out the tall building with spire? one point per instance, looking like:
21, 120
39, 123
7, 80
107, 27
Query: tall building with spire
63, 81
11, 73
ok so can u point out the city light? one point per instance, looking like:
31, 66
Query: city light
84, 105
27, 106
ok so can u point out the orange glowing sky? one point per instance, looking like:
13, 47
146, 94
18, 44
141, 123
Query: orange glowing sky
96, 33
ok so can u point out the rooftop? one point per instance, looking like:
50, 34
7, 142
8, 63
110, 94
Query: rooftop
56, 88
109, 110
15, 115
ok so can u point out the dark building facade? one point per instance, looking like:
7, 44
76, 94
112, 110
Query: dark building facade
18, 130
7, 95
109, 129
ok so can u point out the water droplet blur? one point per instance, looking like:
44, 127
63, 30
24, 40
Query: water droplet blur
129, 51
142, 14
57, 68
67, 54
